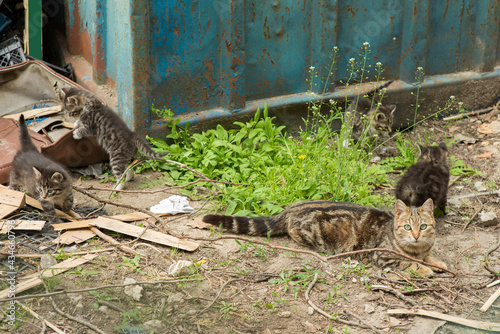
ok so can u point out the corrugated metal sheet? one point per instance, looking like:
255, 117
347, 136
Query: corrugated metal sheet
206, 59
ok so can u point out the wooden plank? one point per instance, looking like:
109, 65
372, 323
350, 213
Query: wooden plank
36, 112
129, 217
27, 225
73, 225
487, 326
32, 280
149, 235
10, 201
74, 236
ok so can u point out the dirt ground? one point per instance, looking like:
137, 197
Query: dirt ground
241, 287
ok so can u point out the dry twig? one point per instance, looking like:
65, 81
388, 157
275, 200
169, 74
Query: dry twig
218, 294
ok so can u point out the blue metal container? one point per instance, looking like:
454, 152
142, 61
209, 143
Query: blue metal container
207, 59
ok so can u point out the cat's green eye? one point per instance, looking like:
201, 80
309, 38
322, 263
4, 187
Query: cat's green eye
407, 227
423, 226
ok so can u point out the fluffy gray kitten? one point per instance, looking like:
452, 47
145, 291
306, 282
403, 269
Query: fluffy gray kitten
428, 178
94, 118
46, 180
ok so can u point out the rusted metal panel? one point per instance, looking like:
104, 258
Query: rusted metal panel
212, 59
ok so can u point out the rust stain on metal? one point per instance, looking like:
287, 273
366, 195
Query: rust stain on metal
392, 19
414, 9
209, 71
266, 29
228, 46
446, 9
351, 10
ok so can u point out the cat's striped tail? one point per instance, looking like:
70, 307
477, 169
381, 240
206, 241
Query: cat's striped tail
249, 225
143, 146
24, 137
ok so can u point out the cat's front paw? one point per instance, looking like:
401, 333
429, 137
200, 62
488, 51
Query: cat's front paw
419, 270
435, 262
77, 135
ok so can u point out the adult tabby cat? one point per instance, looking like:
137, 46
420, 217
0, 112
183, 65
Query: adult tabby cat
46, 180
368, 118
428, 178
94, 118
336, 227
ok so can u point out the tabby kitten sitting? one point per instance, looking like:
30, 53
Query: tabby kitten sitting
47, 181
369, 119
428, 178
337, 227
94, 118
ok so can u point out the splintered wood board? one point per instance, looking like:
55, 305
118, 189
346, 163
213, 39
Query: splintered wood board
36, 112
28, 225
74, 236
149, 235
10, 201
128, 217
34, 203
32, 280
73, 225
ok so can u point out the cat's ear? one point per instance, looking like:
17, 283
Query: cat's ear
442, 145
400, 208
427, 207
38, 175
57, 177
392, 108
73, 100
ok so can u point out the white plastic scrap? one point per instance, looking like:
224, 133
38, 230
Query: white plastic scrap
174, 204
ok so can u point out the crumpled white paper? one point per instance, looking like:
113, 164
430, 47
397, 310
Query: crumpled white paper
174, 204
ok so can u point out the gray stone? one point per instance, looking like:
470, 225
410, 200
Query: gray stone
175, 298
369, 308
156, 326
480, 186
47, 261
134, 291
487, 216
285, 314
75, 298
310, 310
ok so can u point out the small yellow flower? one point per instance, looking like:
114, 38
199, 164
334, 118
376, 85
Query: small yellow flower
302, 156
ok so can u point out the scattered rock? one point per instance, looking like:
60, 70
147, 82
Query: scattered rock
310, 310
369, 308
180, 268
394, 321
465, 139
285, 314
175, 298
156, 326
425, 326
311, 328
103, 309
47, 261
75, 298
480, 186
134, 291
487, 216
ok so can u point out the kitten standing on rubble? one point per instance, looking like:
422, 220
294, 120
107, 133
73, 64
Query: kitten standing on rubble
94, 118
46, 180
337, 227
428, 178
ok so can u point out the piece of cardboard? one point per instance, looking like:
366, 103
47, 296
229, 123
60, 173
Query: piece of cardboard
10, 201
24, 225
74, 236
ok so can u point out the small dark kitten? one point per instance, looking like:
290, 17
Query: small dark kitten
428, 178
46, 180
369, 119
94, 118
336, 227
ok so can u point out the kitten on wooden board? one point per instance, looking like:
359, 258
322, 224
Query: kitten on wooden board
97, 119
44, 179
